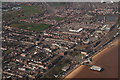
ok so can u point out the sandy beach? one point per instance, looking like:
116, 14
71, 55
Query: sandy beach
107, 58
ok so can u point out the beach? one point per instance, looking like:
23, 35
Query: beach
107, 59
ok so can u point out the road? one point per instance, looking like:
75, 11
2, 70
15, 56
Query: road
107, 58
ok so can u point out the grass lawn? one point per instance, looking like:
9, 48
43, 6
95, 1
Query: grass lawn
57, 18
58, 68
22, 25
27, 11
31, 26
40, 27
8, 51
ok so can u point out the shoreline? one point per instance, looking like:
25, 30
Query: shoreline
96, 59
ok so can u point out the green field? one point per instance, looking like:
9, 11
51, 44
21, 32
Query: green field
31, 26
57, 18
58, 68
29, 10
15, 16
40, 27
26, 12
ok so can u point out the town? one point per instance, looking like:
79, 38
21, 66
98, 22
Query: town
51, 39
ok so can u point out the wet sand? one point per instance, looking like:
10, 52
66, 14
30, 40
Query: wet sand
107, 59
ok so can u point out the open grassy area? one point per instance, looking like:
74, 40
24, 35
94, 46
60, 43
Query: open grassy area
25, 12
57, 18
40, 27
31, 26
29, 10
7, 51
58, 68
15, 16
22, 25
76, 54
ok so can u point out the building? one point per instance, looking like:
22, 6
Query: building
96, 68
